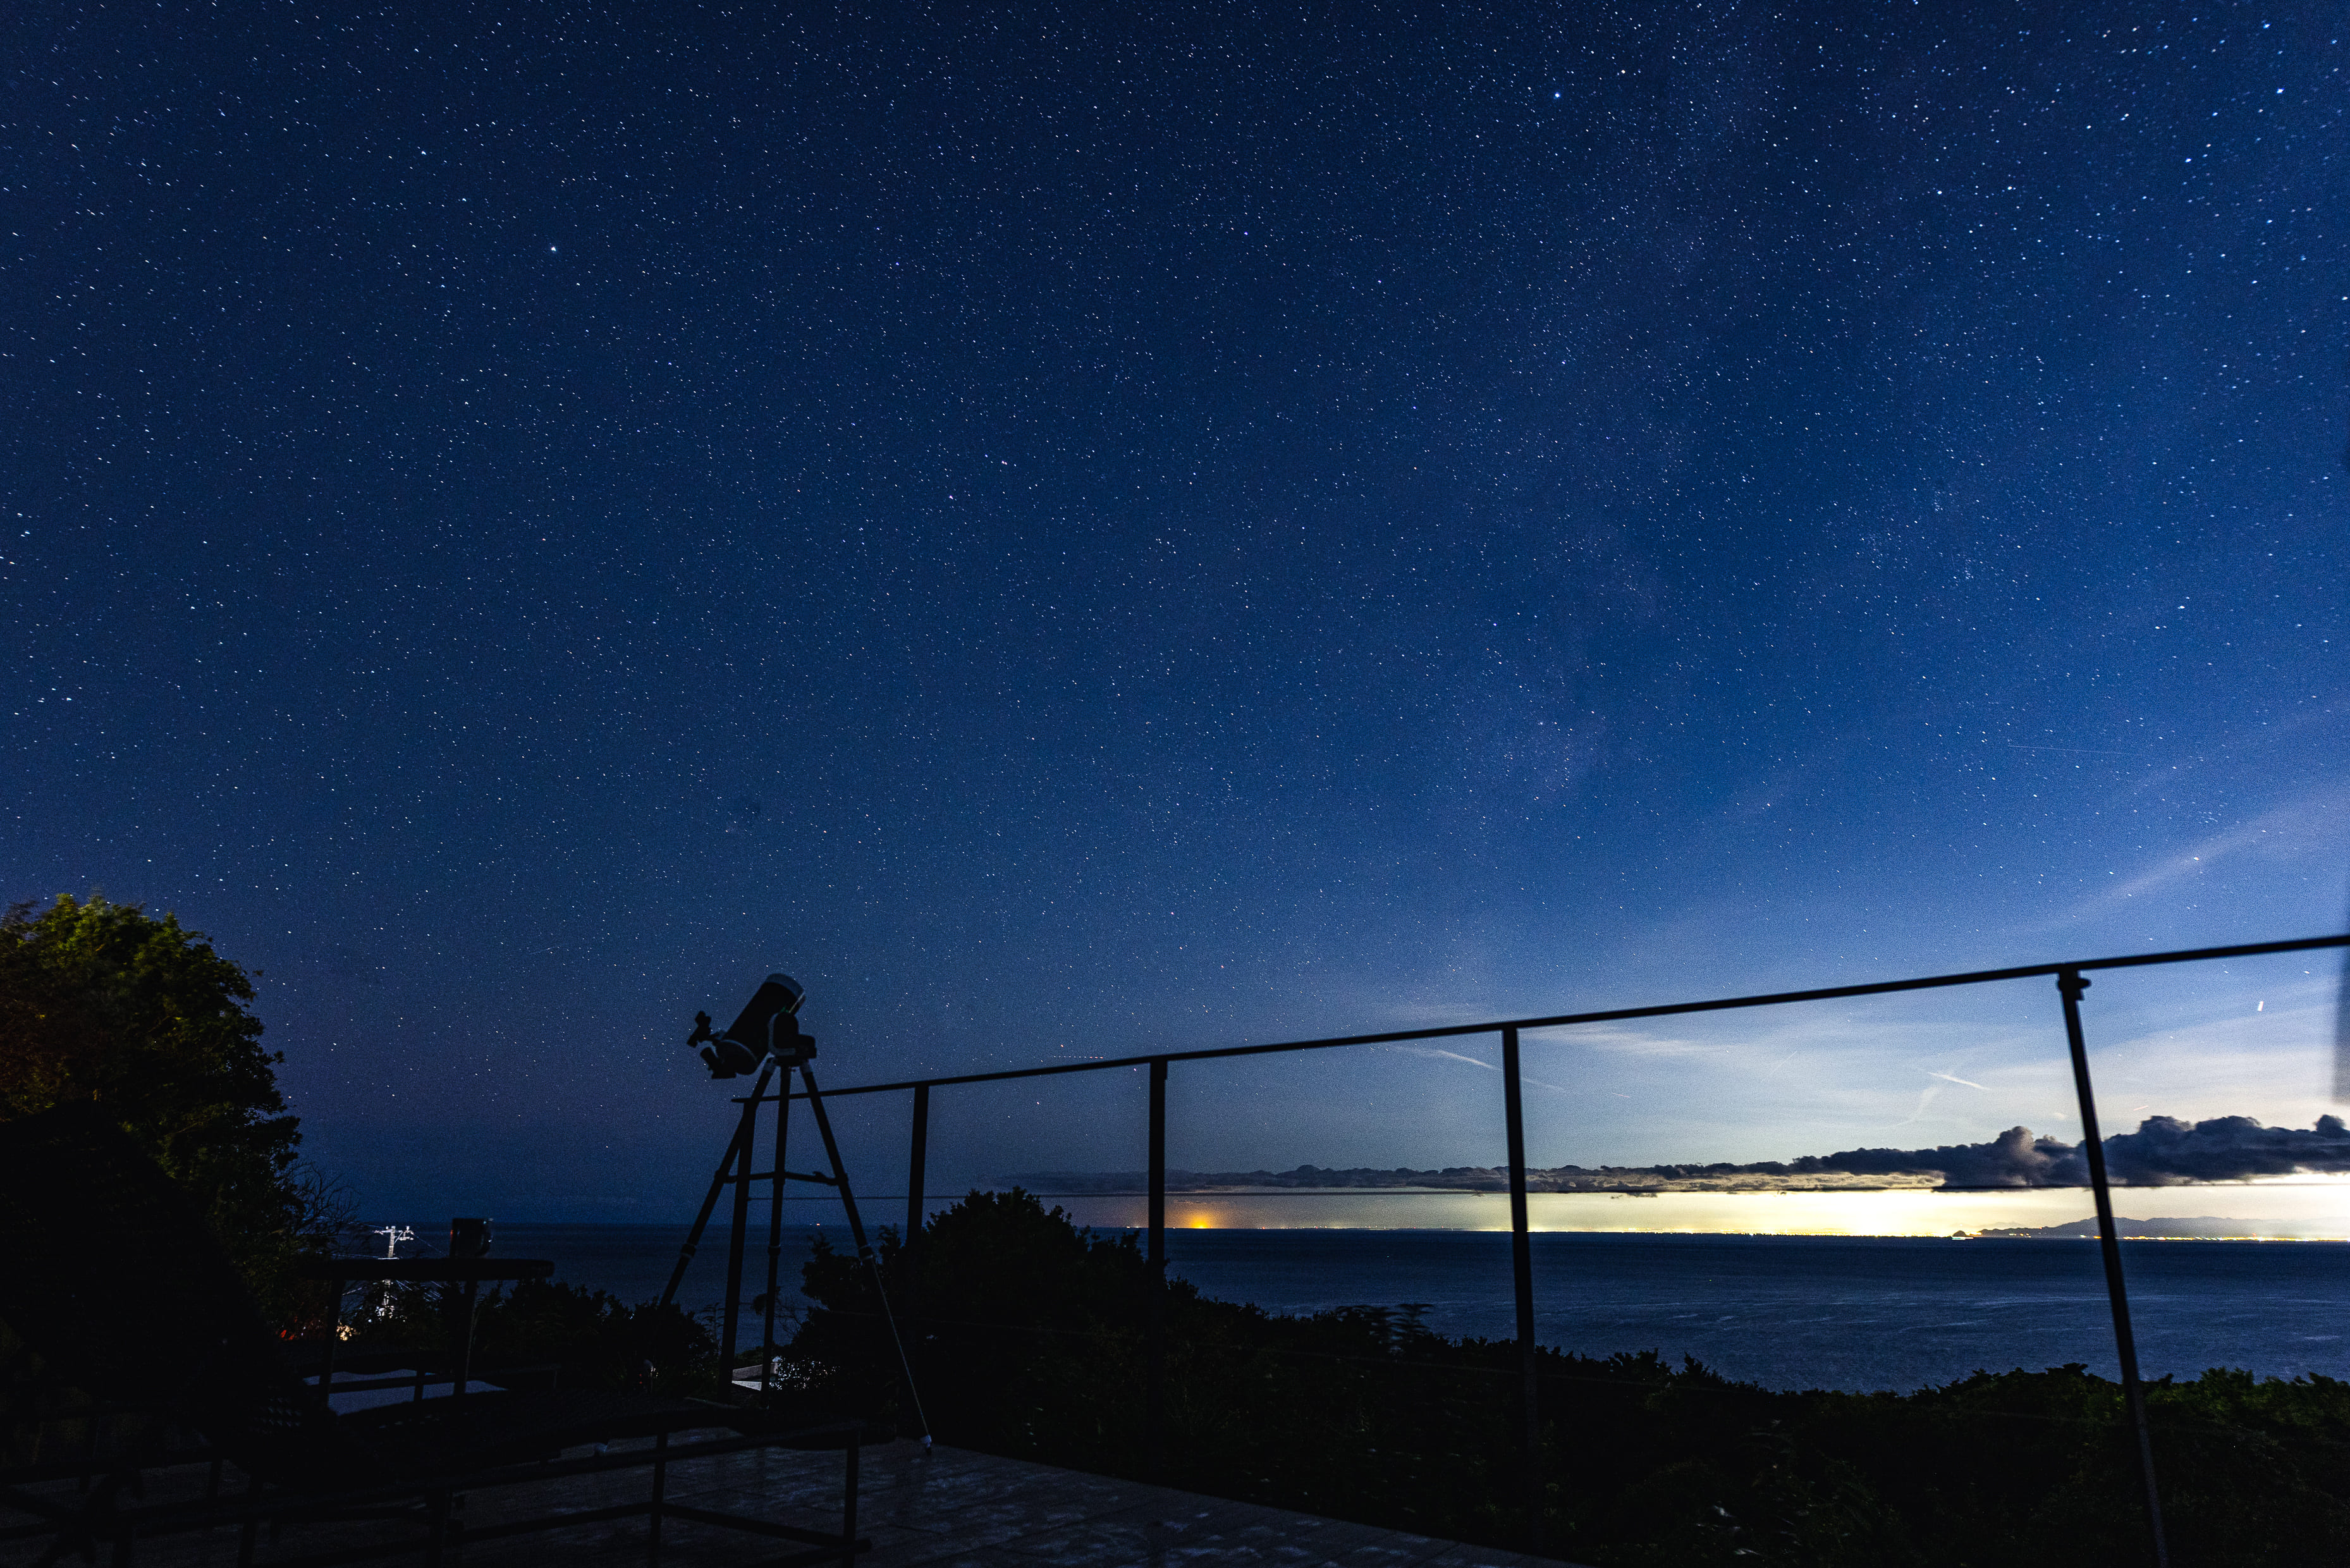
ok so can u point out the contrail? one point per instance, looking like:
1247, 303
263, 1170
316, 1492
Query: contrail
1457, 1056
1450, 1055
1954, 1078
1925, 1098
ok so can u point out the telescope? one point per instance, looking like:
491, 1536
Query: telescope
767, 1030
767, 1036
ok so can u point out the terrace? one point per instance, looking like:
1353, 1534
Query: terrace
950, 1505
917, 1509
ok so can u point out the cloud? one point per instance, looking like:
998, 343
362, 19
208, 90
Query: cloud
2163, 1152
2013, 1158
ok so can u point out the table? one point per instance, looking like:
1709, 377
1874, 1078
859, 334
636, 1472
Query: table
468, 1271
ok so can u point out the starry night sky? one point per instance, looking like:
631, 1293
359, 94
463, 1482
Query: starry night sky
1076, 532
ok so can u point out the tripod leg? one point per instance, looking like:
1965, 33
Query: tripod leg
775, 1231
709, 1204
701, 1221
864, 1249
746, 1140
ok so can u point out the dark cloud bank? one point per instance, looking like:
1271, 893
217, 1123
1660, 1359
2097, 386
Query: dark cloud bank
2163, 1152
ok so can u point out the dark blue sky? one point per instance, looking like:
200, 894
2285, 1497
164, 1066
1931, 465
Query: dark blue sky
1074, 532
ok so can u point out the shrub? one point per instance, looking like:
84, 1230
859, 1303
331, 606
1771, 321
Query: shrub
1028, 1339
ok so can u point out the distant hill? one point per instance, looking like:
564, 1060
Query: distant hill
2200, 1228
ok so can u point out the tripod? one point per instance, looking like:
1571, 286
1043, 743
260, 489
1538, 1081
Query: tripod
788, 1051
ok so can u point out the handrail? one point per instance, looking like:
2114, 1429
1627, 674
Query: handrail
1608, 1015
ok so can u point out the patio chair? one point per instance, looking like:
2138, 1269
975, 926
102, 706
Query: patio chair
114, 1280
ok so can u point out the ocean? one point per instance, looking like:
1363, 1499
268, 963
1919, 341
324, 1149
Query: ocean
1787, 1311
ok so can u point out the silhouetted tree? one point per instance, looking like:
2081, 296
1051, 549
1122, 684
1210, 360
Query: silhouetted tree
103, 1004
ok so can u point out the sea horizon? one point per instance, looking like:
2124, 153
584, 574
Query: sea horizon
1785, 1311
2280, 1209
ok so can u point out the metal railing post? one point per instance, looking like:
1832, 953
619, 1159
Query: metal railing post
1521, 1271
1155, 1415
910, 1244
2070, 984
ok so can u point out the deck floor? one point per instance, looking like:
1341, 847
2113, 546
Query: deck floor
948, 1507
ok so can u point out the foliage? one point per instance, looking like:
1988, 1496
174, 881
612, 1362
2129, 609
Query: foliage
1018, 1311
1028, 1337
102, 1002
597, 1340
